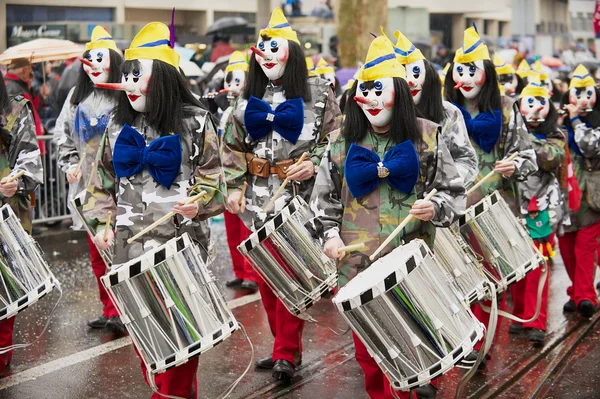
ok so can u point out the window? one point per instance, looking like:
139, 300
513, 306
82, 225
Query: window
17, 14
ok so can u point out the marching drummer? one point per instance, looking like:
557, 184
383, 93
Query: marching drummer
79, 129
495, 127
426, 89
280, 115
148, 128
374, 174
508, 78
19, 152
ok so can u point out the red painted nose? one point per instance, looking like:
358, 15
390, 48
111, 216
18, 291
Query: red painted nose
258, 52
458, 85
541, 107
86, 62
362, 100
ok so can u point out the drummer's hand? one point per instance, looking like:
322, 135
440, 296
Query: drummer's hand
99, 239
573, 110
8, 189
72, 177
507, 168
189, 211
331, 248
423, 210
304, 171
233, 202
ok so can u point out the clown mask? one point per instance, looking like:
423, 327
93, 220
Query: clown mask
548, 85
276, 52
330, 77
376, 100
137, 81
415, 76
100, 69
583, 97
510, 83
237, 82
470, 78
534, 109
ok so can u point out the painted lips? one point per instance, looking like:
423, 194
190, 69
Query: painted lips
467, 88
374, 112
133, 97
269, 65
415, 92
96, 74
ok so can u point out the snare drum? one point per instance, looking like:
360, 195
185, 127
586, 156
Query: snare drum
492, 230
24, 275
170, 304
408, 315
461, 264
77, 205
289, 260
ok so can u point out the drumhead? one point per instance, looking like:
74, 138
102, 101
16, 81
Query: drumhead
383, 275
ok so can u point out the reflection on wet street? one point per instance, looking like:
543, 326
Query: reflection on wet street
73, 361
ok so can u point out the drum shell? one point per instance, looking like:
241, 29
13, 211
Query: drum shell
77, 204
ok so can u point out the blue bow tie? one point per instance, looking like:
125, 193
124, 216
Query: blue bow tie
572, 143
484, 129
287, 119
83, 125
162, 157
364, 169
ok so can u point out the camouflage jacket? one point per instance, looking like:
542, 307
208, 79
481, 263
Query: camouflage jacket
457, 140
320, 118
588, 141
371, 218
19, 151
73, 126
139, 200
544, 183
514, 137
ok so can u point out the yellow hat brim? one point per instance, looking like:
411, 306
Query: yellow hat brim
578, 83
481, 53
242, 66
109, 44
505, 69
162, 53
532, 91
386, 69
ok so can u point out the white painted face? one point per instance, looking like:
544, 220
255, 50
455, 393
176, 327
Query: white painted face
471, 77
415, 77
510, 83
138, 81
277, 52
381, 100
330, 77
100, 69
236, 85
584, 98
548, 85
535, 109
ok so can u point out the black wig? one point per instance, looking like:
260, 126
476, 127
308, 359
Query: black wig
404, 117
167, 95
489, 96
4, 99
430, 106
504, 78
549, 124
593, 118
294, 79
84, 86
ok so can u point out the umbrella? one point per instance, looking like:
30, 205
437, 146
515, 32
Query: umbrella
551, 62
227, 25
345, 74
40, 50
190, 68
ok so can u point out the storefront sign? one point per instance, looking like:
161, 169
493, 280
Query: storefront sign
22, 33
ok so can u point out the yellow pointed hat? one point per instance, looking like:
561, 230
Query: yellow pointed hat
473, 48
502, 68
101, 39
581, 78
381, 62
444, 72
406, 52
537, 67
237, 62
524, 69
153, 43
310, 65
323, 67
279, 27
535, 88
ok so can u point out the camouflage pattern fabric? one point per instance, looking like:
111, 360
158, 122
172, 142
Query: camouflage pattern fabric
19, 151
370, 219
457, 140
321, 116
514, 137
588, 141
139, 200
544, 183
92, 113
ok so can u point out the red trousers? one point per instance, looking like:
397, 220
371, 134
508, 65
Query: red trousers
179, 381
237, 232
376, 383
484, 317
99, 268
578, 250
6, 339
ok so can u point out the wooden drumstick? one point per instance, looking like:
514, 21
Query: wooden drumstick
191, 200
285, 182
15, 177
244, 187
486, 177
354, 247
107, 227
79, 164
401, 226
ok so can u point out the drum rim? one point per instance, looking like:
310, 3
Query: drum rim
40, 291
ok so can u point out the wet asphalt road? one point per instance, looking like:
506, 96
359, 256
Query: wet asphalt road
72, 361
